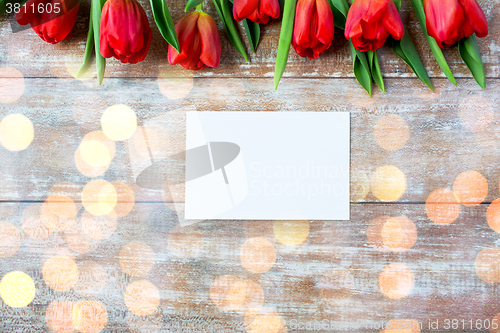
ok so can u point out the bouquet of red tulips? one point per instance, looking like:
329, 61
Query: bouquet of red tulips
120, 29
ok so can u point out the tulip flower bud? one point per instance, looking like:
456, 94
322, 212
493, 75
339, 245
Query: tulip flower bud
52, 20
370, 22
448, 21
313, 28
258, 11
198, 40
125, 31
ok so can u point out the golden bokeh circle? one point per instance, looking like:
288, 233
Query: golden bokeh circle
58, 212
487, 265
185, 242
471, 188
99, 197
142, 298
396, 281
136, 258
17, 289
58, 317
89, 316
79, 241
493, 215
442, 206
16, 132
391, 132
253, 296
388, 183
398, 234
11, 84
374, 232
94, 162
60, 272
264, 320
257, 255
291, 233
337, 286
119, 122
10, 239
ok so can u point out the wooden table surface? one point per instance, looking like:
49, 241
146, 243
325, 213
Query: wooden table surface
134, 269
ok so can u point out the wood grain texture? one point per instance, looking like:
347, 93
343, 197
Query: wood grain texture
35, 58
451, 131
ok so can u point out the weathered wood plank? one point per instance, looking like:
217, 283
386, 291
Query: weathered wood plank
442, 261
35, 58
438, 147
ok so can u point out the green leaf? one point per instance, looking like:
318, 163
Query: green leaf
227, 18
438, 53
284, 41
95, 12
191, 4
406, 50
342, 6
2, 7
361, 69
253, 33
469, 51
398, 4
164, 22
89, 51
375, 69
338, 18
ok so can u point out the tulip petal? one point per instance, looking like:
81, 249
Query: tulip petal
244, 8
186, 29
444, 20
302, 24
475, 16
392, 21
210, 40
325, 22
270, 8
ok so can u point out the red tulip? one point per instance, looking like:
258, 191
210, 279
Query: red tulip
198, 40
313, 28
125, 31
52, 20
258, 11
448, 21
370, 22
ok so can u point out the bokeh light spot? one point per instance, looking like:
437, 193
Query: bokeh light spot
442, 206
99, 197
142, 298
17, 289
58, 212
487, 265
89, 316
388, 183
396, 281
58, 317
493, 215
16, 132
91, 278
291, 232
359, 185
257, 255
119, 122
471, 188
60, 272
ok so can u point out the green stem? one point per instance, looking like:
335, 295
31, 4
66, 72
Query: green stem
200, 7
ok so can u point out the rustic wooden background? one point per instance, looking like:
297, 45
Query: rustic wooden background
136, 270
